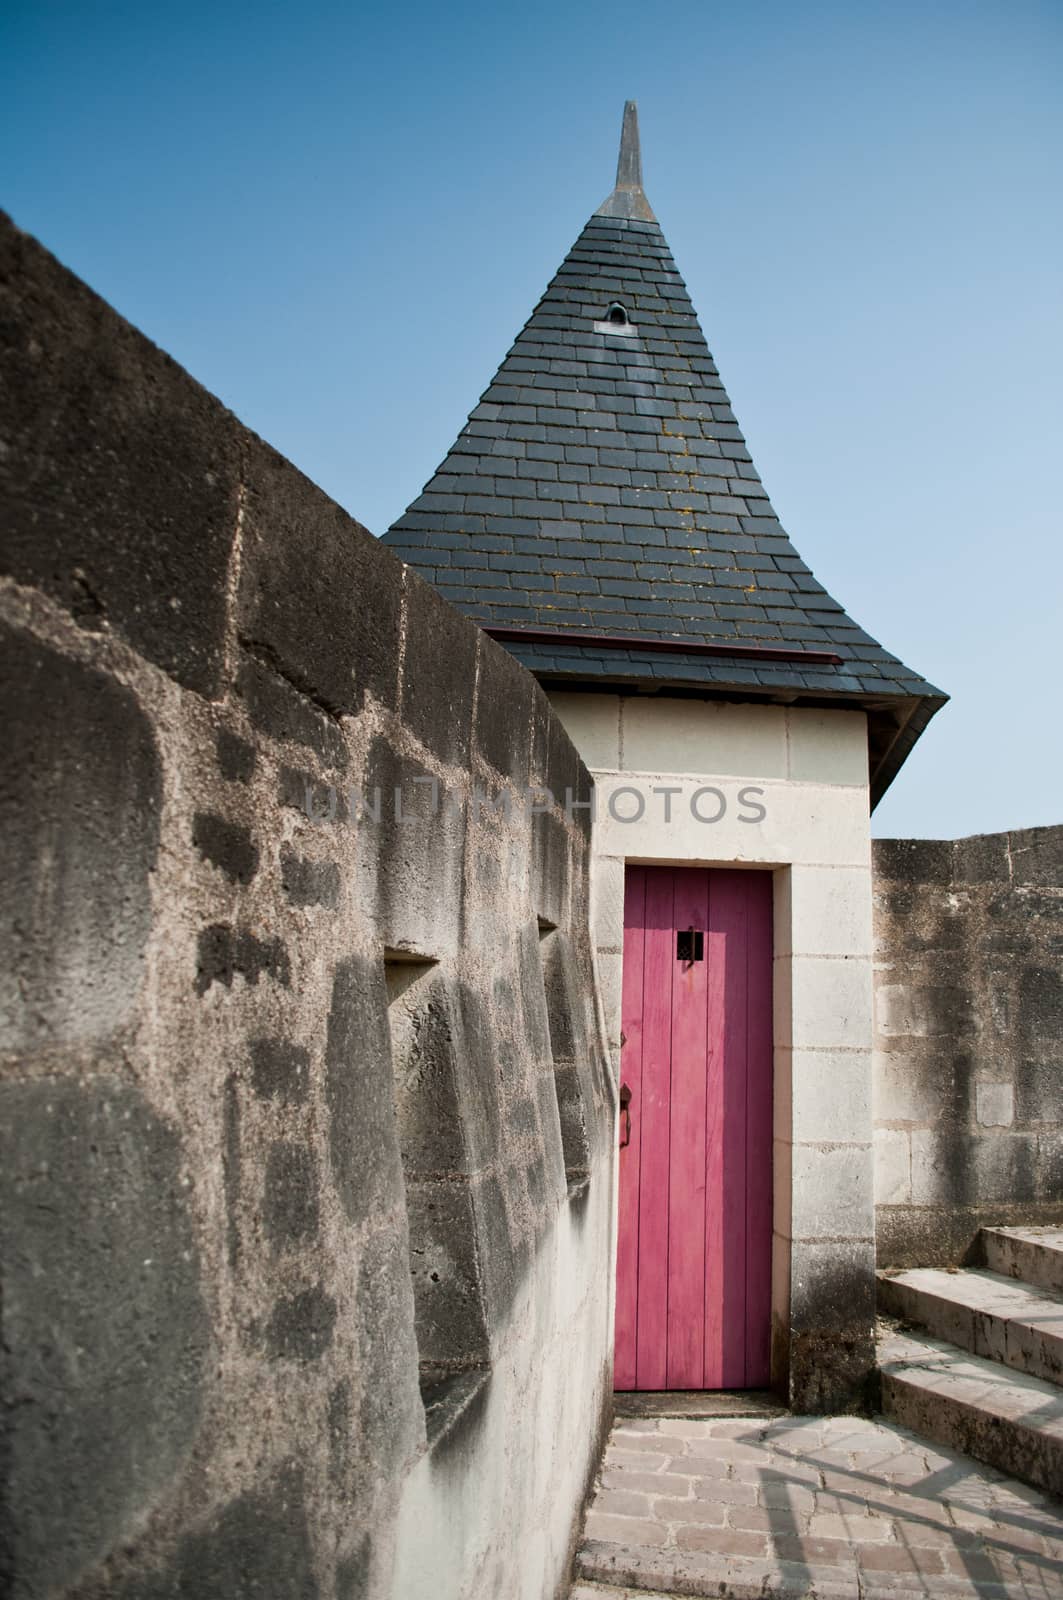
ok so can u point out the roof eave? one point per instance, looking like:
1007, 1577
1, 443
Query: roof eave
921, 709
895, 721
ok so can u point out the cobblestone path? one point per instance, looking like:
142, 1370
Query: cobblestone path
810, 1506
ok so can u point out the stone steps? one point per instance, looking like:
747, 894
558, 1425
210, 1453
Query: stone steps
1033, 1254
986, 1376
1010, 1420
987, 1314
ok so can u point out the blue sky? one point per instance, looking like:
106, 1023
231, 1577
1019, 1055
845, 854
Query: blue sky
337, 217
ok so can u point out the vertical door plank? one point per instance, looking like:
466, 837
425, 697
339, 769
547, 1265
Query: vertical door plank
715, 964
627, 1245
758, 1130
654, 1116
727, 920
687, 1169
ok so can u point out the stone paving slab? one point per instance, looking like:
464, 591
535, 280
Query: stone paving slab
825, 1507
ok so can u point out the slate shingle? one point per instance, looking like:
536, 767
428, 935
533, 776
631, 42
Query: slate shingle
592, 445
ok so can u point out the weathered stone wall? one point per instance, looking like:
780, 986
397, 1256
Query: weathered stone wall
968, 1040
306, 1124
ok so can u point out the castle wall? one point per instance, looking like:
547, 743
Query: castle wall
968, 1041
306, 1230
785, 789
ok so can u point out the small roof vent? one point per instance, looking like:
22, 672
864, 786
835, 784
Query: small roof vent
616, 321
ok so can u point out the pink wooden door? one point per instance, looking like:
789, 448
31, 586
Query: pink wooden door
693, 1293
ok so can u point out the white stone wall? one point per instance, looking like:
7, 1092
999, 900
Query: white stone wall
491, 1513
789, 789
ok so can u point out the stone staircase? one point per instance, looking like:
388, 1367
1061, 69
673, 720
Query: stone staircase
973, 1358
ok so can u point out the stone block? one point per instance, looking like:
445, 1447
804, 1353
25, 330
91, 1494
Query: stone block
553, 1156
445, 1264
832, 1316
1007, 1167
912, 861
506, 1232
995, 1105
1040, 1004
411, 859
953, 1168
832, 1191
390, 1415
831, 829
830, 911
910, 1010
80, 797
610, 980
608, 878
121, 474
489, 1055
438, 674
831, 1003
703, 737
893, 1167
930, 1235
503, 712
1037, 856
551, 868
830, 1096
105, 1328
1037, 1088
319, 599
425, 1046
982, 859
359, 1093
533, 994
1049, 1185
939, 1170
569, 1050
354, 1570
827, 746
919, 1088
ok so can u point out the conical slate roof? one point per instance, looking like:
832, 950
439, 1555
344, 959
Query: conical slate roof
600, 513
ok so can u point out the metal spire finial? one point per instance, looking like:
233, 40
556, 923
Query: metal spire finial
629, 162
628, 198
